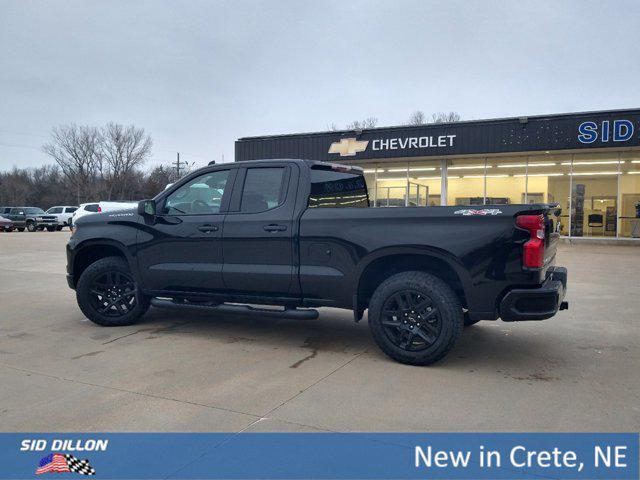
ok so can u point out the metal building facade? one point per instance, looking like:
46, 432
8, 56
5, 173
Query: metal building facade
587, 162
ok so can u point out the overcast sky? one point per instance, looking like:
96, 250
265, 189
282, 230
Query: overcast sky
199, 75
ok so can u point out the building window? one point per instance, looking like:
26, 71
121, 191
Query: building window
411, 184
554, 180
599, 193
507, 181
370, 178
629, 195
425, 182
391, 184
466, 182
594, 195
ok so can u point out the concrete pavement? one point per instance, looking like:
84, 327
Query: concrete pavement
189, 371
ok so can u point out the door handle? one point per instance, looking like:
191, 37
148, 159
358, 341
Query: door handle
275, 228
208, 228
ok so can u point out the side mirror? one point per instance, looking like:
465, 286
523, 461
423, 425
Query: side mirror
147, 207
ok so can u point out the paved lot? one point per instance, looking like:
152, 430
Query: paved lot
193, 372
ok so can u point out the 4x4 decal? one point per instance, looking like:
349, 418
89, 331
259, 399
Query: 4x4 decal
483, 211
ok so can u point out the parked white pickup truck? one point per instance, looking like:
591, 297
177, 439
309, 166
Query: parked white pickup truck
63, 214
99, 207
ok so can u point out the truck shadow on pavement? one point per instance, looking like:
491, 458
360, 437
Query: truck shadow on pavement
487, 345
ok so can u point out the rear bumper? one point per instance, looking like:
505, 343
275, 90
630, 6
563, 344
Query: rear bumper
536, 303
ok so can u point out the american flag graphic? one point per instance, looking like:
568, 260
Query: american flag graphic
58, 462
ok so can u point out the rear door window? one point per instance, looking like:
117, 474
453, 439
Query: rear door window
264, 189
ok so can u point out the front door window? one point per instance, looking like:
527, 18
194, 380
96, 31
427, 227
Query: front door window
200, 196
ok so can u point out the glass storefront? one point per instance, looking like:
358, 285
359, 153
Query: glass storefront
399, 184
599, 192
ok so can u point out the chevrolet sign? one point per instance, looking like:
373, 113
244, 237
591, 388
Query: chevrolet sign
413, 142
348, 147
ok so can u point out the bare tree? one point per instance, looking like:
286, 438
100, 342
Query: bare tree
15, 187
158, 179
417, 118
445, 117
76, 150
123, 150
42, 186
369, 122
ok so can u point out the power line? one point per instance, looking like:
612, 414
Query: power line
17, 145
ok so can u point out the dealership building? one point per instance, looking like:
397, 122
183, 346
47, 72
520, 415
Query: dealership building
588, 162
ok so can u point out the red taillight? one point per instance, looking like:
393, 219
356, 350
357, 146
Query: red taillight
99, 209
533, 250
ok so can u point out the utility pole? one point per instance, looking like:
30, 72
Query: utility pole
178, 164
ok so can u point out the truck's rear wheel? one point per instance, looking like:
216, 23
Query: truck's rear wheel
415, 318
108, 295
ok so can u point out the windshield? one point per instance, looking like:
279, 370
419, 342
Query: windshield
33, 210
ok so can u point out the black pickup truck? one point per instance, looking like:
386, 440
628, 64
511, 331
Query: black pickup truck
300, 234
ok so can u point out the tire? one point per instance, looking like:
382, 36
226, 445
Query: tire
51, 229
96, 278
31, 227
21, 229
59, 228
424, 336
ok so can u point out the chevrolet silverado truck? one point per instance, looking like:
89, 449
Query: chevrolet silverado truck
280, 238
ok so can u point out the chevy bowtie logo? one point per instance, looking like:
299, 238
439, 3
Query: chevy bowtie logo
348, 147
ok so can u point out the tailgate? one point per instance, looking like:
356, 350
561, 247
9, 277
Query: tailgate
551, 235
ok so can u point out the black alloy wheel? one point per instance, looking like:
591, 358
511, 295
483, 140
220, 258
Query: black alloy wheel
113, 294
415, 317
411, 320
108, 295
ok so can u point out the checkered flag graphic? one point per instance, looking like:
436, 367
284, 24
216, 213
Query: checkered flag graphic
79, 466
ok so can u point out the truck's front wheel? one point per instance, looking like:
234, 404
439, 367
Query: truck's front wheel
108, 295
415, 318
